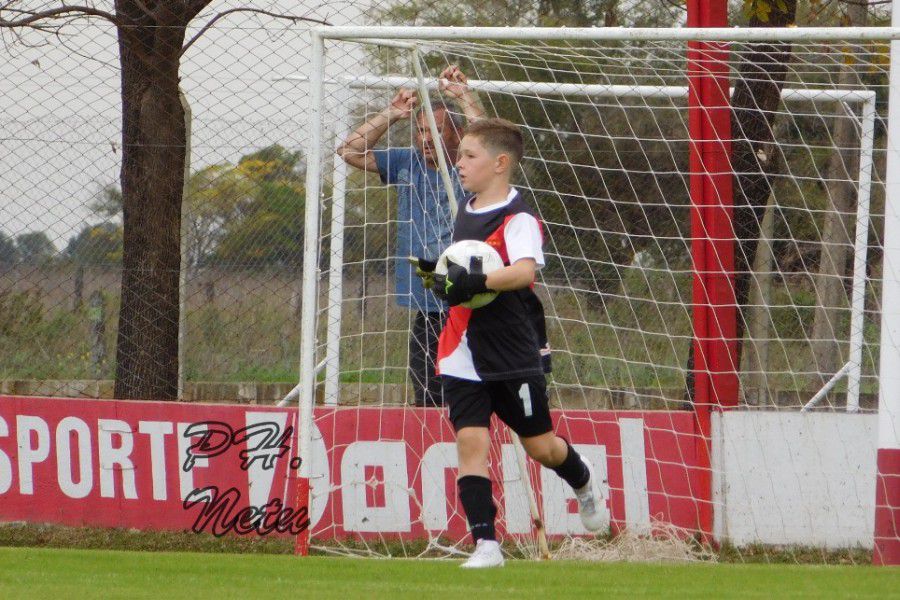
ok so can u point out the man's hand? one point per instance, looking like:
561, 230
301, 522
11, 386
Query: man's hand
402, 105
357, 148
424, 269
458, 285
453, 82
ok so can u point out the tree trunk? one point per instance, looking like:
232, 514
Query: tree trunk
836, 240
755, 155
754, 102
152, 176
759, 315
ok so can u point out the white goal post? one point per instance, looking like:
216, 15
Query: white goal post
403, 38
865, 99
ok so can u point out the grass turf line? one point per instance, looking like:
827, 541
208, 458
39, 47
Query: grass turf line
110, 538
44, 573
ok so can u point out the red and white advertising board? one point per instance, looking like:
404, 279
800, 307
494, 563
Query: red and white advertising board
376, 472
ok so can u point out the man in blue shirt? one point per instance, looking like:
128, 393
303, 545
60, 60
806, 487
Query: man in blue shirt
424, 220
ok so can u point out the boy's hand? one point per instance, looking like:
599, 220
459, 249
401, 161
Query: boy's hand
458, 285
424, 269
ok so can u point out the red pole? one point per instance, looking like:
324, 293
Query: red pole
698, 251
722, 315
298, 484
712, 244
301, 542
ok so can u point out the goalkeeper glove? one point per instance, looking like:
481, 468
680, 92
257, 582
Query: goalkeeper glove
458, 285
424, 269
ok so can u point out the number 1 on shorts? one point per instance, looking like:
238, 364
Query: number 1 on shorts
525, 395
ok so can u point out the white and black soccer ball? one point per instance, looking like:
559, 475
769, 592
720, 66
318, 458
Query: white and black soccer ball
476, 257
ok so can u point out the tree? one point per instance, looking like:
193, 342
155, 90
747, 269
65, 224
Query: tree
96, 245
9, 254
107, 203
601, 160
267, 225
755, 156
525, 13
213, 197
841, 171
269, 232
249, 214
35, 248
152, 37
274, 163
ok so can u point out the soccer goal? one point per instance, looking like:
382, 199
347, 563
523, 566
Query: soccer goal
719, 285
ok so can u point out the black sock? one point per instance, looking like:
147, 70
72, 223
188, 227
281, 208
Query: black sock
475, 495
572, 469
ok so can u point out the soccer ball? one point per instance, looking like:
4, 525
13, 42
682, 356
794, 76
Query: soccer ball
476, 257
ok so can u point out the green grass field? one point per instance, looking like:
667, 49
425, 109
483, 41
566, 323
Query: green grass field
57, 573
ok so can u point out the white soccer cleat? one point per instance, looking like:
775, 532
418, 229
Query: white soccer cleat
589, 508
487, 554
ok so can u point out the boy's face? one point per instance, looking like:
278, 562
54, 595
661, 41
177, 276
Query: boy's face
477, 165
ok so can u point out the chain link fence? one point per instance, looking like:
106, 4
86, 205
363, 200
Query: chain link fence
61, 238
61, 222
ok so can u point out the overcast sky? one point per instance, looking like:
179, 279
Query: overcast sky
60, 108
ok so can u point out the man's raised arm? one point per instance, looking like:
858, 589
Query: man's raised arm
357, 148
454, 84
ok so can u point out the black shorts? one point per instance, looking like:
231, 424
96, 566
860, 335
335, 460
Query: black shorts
520, 403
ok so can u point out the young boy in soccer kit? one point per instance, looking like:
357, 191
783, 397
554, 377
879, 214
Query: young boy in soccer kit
492, 359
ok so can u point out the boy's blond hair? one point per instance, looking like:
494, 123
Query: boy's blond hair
499, 136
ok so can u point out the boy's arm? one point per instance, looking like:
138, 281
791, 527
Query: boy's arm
459, 286
357, 148
523, 239
516, 276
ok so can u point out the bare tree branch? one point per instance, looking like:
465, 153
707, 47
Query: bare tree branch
205, 28
195, 6
30, 18
66, 14
679, 6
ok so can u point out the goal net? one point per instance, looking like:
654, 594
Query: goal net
711, 215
